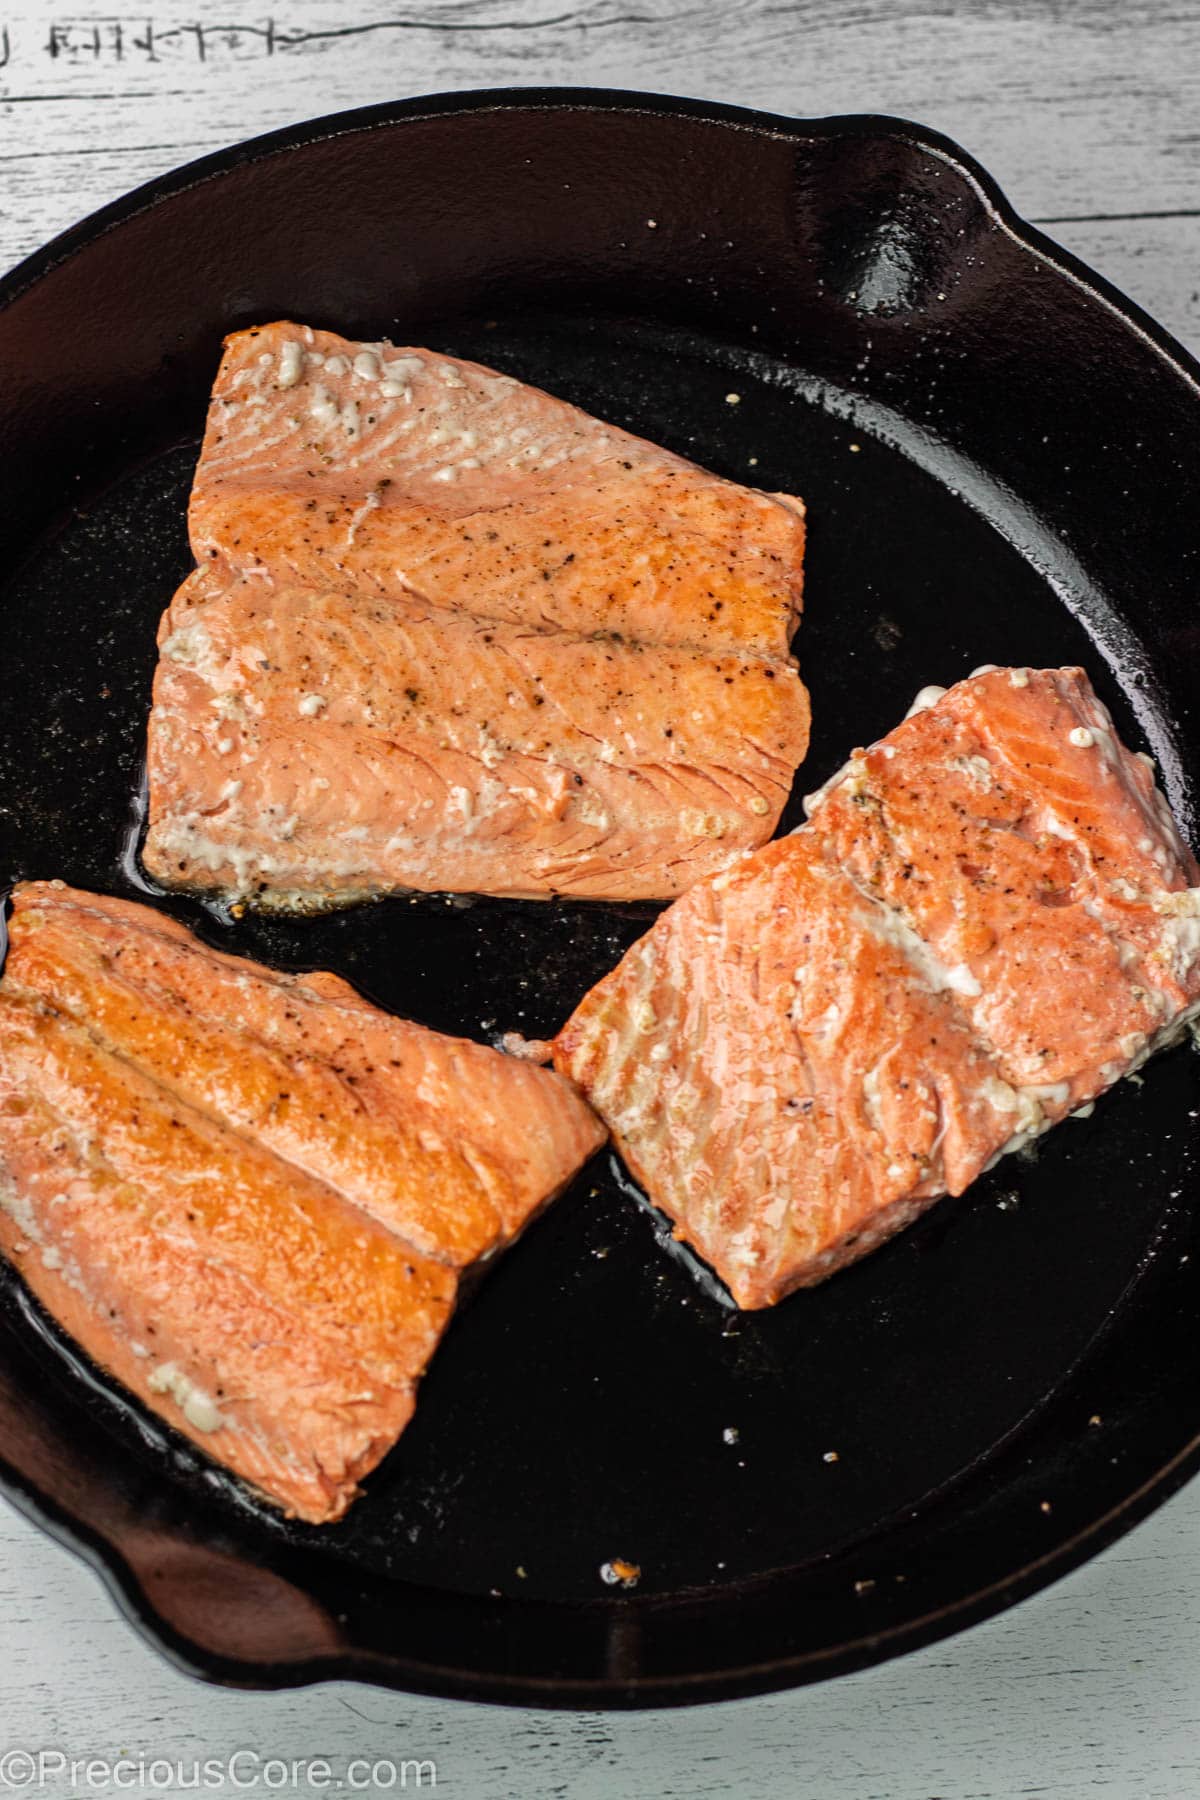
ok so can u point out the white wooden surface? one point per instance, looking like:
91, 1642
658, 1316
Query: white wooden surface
1089, 116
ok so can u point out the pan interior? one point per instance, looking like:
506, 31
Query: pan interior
596, 1399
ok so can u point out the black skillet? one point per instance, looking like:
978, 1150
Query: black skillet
999, 455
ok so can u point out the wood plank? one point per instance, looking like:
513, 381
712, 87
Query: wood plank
1155, 261
1076, 109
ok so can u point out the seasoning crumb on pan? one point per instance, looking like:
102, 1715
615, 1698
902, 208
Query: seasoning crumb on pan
619, 1573
731, 1434
831, 1456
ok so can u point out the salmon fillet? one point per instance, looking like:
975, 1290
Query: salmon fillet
989, 918
451, 634
250, 1197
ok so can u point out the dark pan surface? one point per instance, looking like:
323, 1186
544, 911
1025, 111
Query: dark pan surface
997, 462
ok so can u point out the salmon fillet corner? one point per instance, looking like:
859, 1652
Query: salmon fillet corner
251, 1197
989, 918
449, 633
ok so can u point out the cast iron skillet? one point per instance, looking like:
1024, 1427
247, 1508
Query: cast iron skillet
999, 456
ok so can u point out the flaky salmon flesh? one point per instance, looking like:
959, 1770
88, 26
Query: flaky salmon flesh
989, 918
249, 1196
448, 633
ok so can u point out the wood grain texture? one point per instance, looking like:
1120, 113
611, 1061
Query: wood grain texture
1084, 112
1089, 116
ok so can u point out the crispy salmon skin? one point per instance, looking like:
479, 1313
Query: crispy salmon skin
988, 919
251, 1197
448, 633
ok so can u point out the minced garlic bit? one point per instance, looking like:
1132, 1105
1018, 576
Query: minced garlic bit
291, 363
1081, 737
830, 1456
534, 1050
322, 406
702, 825
928, 696
195, 1405
311, 705
733, 399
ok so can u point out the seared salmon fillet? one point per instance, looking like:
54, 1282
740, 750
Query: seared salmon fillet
249, 1196
988, 919
451, 634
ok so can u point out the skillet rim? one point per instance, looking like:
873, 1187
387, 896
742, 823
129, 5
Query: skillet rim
106, 1557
